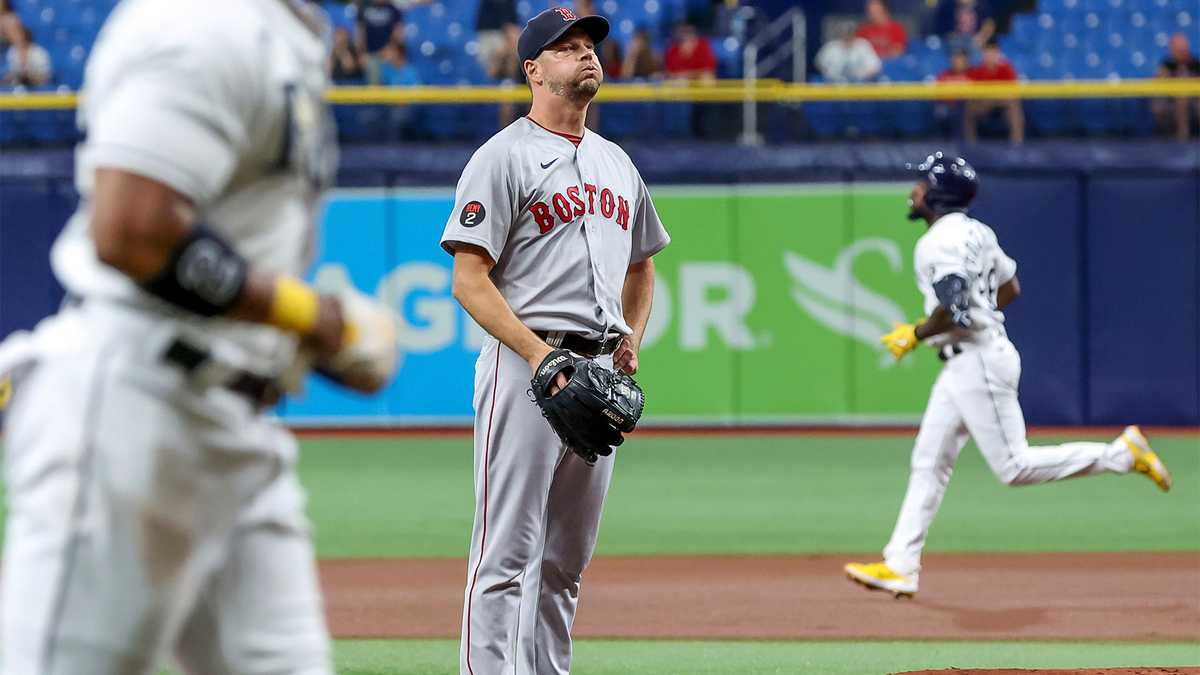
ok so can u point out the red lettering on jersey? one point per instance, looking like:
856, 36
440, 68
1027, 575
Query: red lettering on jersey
623, 213
607, 203
573, 193
562, 207
541, 214
591, 190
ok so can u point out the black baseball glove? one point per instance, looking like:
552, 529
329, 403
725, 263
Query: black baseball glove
593, 409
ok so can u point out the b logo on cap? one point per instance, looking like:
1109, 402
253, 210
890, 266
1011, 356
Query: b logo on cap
565, 13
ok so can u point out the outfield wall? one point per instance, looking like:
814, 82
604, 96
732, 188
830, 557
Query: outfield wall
771, 298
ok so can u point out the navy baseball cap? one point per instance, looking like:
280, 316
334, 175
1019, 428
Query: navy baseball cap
546, 28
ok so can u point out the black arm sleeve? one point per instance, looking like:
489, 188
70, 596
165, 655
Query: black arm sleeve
951, 292
204, 275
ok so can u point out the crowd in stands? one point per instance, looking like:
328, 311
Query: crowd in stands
43, 43
970, 37
26, 63
971, 33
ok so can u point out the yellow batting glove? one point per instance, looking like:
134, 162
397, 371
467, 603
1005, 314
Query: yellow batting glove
5, 391
901, 341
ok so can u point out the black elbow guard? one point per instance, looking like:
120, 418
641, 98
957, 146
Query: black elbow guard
204, 276
952, 294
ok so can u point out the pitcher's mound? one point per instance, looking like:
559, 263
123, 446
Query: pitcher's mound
1059, 671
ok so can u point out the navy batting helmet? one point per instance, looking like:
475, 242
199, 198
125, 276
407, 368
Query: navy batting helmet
952, 182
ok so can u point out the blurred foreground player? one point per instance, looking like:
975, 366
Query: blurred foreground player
153, 507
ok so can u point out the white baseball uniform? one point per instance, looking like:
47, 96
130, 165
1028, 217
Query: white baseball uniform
976, 392
153, 508
563, 223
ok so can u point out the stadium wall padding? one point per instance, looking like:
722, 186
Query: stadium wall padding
762, 294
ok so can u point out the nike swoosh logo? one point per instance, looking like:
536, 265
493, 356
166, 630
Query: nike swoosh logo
547, 164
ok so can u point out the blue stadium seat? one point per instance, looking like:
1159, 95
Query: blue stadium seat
675, 119
903, 69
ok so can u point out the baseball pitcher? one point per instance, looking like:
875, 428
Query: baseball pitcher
967, 280
153, 507
552, 235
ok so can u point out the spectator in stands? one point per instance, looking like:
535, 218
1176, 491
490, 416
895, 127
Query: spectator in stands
612, 62
28, 62
396, 71
966, 24
380, 22
848, 58
585, 8
508, 69
494, 28
690, 55
949, 113
7, 16
1176, 113
641, 61
347, 65
994, 68
885, 34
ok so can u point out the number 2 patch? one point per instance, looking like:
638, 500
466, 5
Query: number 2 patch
472, 214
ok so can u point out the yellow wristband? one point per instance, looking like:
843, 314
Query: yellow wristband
294, 306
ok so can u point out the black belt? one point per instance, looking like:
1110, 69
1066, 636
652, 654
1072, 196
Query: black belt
261, 391
578, 343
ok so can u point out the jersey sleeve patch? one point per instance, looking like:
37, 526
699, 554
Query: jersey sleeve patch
472, 214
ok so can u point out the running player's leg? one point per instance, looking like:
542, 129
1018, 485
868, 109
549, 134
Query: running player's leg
572, 524
985, 387
261, 613
516, 453
939, 442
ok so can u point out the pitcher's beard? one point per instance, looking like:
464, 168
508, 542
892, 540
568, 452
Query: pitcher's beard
580, 90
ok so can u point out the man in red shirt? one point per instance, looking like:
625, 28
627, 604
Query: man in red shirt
690, 56
884, 33
994, 68
949, 112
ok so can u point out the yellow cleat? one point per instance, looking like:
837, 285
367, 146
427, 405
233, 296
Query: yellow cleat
879, 577
1145, 461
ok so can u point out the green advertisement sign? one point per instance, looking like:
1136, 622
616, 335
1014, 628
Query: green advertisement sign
770, 303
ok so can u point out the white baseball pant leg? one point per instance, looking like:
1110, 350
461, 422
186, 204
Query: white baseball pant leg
538, 508
976, 393
261, 613
124, 487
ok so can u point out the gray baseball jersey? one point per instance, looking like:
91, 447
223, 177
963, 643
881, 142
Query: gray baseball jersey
563, 224
228, 113
958, 244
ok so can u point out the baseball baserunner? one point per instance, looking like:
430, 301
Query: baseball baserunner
154, 508
552, 234
967, 280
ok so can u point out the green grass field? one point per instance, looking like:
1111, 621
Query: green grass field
373, 497
755, 494
601, 657
750, 494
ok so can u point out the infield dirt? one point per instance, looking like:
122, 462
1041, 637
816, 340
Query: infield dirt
1134, 597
